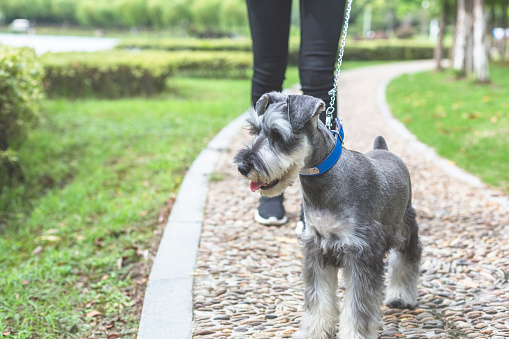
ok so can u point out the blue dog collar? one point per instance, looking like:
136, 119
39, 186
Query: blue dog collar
330, 160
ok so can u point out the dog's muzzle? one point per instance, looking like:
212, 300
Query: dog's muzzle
244, 169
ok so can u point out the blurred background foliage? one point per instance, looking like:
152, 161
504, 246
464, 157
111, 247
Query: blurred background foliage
203, 16
207, 18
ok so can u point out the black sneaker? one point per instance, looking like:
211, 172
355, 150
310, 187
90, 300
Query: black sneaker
301, 224
271, 211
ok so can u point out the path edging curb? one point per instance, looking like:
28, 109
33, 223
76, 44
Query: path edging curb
168, 304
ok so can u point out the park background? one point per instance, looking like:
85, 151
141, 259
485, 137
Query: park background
94, 145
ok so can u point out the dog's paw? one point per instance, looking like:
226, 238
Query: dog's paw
401, 298
401, 304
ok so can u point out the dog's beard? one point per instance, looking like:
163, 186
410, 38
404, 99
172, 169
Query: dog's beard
282, 183
277, 171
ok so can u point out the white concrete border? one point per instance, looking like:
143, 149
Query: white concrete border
168, 304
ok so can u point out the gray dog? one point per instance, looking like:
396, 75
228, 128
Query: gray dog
355, 213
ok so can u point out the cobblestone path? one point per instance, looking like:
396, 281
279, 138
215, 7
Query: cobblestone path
247, 281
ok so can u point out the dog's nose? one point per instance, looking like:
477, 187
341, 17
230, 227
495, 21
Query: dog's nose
244, 169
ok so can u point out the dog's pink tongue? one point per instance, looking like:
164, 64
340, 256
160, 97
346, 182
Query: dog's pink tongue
255, 186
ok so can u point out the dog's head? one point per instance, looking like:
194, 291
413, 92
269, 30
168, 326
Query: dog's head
278, 152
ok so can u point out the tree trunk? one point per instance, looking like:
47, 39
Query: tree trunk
461, 38
489, 39
480, 53
439, 48
454, 30
505, 53
469, 55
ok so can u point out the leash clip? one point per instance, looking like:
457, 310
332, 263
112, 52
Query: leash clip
338, 131
328, 122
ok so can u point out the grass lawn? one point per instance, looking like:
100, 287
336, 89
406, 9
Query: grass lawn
465, 122
76, 239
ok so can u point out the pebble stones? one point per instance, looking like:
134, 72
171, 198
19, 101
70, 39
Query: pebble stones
247, 280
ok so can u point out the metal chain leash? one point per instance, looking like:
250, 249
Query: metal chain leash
333, 91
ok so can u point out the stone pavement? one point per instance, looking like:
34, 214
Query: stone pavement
247, 279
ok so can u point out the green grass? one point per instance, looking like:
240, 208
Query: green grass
98, 173
465, 122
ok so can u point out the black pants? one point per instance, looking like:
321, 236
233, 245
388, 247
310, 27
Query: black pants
321, 23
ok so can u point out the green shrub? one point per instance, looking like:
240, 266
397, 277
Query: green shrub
20, 95
115, 74
354, 50
377, 50
388, 52
214, 64
105, 74
187, 44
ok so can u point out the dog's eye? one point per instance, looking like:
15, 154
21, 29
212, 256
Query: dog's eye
276, 136
253, 130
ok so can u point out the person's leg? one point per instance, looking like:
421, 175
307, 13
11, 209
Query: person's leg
269, 21
321, 23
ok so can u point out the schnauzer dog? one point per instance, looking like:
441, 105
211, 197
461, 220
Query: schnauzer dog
357, 208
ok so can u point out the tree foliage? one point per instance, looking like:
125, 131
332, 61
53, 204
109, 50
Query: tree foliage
199, 15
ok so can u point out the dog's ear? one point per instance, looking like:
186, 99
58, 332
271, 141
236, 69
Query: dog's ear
301, 108
267, 99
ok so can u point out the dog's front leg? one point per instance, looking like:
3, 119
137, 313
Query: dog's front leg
321, 307
364, 278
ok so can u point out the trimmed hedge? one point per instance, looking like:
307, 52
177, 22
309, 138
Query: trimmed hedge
368, 53
140, 71
20, 95
188, 44
104, 74
213, 64
354, 50
379, 50
115, 74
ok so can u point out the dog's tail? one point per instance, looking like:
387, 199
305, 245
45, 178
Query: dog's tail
380, 143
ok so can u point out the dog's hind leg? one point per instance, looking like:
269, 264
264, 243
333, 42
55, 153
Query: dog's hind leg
321, 304
404, 267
